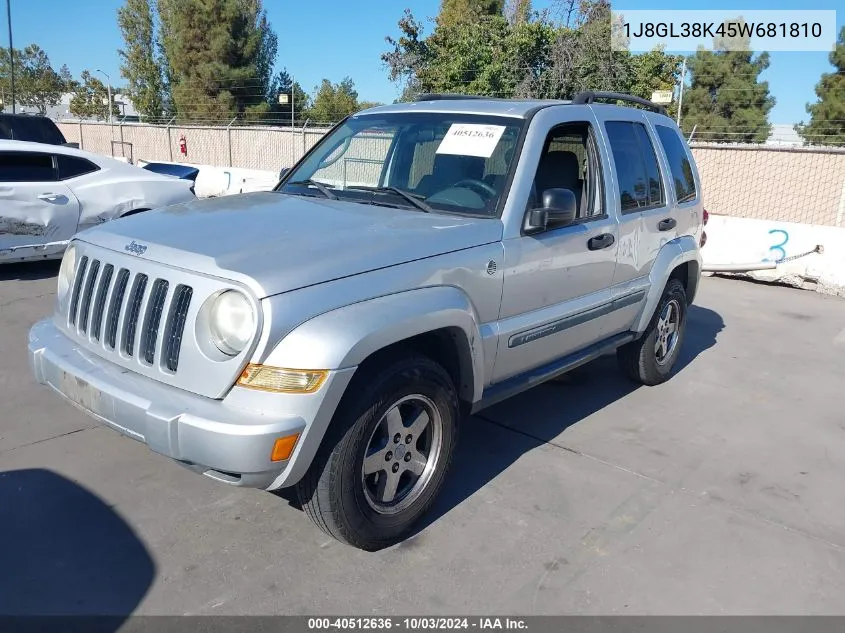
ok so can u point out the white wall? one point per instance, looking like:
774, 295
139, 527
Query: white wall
746, 241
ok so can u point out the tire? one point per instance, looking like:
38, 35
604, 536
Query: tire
642, 360
350, 499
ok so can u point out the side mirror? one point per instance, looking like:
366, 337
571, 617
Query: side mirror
559, 209
283, 172
561, 205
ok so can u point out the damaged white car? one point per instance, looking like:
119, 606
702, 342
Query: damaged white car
49, 193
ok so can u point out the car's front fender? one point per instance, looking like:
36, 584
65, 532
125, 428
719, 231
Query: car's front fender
345, 337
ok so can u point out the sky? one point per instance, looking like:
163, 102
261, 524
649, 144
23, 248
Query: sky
335, 38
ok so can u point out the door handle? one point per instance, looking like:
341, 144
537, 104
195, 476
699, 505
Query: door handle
600, 241
50, 197
667, 225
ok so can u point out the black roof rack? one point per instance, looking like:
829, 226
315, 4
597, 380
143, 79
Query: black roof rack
447, 97
589, 97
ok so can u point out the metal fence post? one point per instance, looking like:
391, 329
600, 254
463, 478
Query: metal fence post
229, 138
122, 146
304, 125
169, 139
81, 143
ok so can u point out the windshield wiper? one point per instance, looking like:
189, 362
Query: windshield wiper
410, 197
318, 185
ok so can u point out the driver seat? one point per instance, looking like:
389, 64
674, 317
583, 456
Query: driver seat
449, 169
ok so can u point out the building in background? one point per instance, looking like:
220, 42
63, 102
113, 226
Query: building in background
61, 111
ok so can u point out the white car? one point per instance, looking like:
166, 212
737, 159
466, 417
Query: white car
48, 193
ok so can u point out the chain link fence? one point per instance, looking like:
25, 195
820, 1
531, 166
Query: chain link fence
785, 184
770, 182
250, 147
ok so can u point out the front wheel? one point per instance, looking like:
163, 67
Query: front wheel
385, 455
650, 359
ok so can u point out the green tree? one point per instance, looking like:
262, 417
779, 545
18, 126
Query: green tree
652, 71
454, 12
726, 99
37, 84
827, 115
283, 83
524, 54
219, 57
581, 57
332, 102
140, 68
518, 11
90, 99
489, 56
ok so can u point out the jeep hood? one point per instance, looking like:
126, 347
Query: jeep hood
277, 242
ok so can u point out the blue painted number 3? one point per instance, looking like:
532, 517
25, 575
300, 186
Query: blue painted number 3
778, 248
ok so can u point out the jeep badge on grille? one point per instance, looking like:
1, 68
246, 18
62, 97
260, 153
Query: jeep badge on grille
135, 248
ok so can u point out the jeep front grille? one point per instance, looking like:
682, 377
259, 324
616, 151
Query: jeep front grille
130, 311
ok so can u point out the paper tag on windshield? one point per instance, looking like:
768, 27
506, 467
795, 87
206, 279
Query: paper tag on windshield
471, 139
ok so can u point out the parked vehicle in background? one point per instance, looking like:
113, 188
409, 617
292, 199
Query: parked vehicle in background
33, 128
48, 193
423, 261
178, 170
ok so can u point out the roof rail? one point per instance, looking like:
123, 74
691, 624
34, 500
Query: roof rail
447, 97
590, 96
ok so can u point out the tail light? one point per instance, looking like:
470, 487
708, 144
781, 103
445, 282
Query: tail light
704, 217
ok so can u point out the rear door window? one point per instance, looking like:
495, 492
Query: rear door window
26, 167
679, 163
637, 170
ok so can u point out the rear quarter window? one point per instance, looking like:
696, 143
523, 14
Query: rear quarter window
679, 163
73, 166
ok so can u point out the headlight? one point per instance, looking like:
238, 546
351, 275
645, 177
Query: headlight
66, 271
231, 322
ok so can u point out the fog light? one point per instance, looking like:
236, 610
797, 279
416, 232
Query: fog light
282, 380
283, 448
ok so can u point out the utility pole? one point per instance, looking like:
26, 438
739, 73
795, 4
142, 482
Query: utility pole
108, 84
681, 96
11, 52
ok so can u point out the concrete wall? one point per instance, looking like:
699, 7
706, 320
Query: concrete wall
744, 241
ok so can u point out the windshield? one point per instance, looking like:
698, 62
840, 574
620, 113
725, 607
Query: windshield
441, 162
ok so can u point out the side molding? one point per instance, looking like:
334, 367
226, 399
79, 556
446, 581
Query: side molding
672, 254
345, 337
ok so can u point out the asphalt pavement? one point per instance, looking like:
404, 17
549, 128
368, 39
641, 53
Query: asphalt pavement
719, 492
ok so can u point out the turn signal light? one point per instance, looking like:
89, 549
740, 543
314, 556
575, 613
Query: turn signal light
281, 380
283, 448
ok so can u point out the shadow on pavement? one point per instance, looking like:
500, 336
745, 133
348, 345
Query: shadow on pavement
65, 552
539, 416
30, 271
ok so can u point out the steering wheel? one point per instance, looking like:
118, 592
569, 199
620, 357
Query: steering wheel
477, 185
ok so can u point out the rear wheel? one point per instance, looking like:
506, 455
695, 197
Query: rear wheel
385, 455
650, 359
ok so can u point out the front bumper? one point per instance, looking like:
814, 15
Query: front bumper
229, 440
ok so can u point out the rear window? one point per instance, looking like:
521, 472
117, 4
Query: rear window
679, 163
30, 128
73, 166
26, 167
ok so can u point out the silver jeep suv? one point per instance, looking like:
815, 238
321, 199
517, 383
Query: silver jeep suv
423, 261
